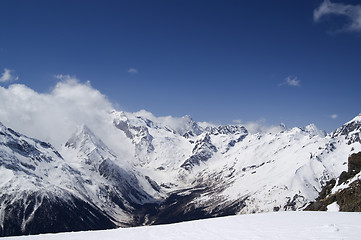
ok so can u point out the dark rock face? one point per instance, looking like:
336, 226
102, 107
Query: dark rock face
321, 203
344, 176
202, 151
124, 184
354, 163
40, 213
348, 199
350, 131
354, 167
22, 147
188, 134
291, 203
179, 207
228, 129
153, 183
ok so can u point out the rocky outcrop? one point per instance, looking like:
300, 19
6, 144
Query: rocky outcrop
345, 191
354, 163
40, 212
202, 151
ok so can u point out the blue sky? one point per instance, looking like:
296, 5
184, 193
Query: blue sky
296, 62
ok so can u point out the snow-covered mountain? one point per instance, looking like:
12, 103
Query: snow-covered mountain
162, 170
43, 192
110, 183
40, 192
247, 173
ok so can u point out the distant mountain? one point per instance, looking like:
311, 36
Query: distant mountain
171, 170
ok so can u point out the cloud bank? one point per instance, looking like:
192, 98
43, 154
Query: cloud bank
259, 126
6, 76
54, 116
352, 12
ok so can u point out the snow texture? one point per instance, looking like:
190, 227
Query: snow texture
333, 207
271, 226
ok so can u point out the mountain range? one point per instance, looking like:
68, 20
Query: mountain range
164, 170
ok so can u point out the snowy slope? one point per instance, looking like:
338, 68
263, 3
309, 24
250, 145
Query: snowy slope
286, 225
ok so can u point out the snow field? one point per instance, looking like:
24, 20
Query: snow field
271, 226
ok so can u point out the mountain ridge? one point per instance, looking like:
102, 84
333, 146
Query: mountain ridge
176, 169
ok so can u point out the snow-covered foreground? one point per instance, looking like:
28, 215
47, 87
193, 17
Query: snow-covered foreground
280, 225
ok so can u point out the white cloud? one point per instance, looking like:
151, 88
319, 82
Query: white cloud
352, 12
334, 116
62, 77
291, 81
260, 126
6, 76
132, 71
54, 116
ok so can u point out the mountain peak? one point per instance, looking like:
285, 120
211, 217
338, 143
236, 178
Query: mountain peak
2, 127
84, 129
313, 130
350, 130
283, 126
187, 117
356, 119
142, 118
83, 136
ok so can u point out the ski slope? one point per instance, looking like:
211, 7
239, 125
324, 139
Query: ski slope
280, 225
